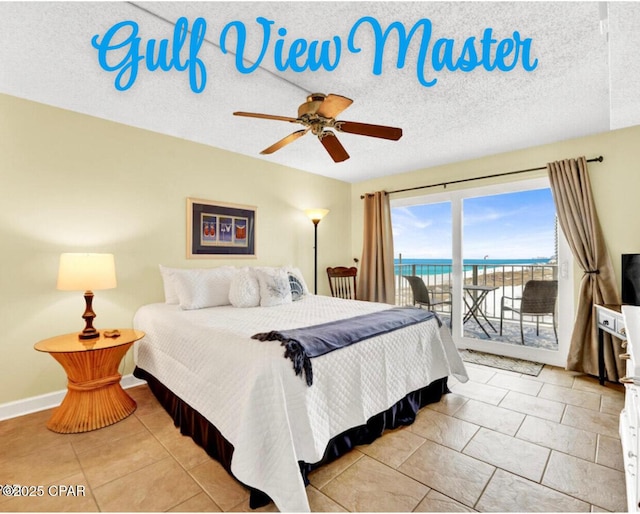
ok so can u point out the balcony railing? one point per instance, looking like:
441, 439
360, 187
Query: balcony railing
508, 278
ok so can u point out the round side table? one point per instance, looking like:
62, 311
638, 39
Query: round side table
94, 398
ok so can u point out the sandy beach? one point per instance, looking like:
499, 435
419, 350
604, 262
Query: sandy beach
512, 277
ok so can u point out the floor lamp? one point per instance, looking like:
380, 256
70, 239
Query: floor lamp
315, 215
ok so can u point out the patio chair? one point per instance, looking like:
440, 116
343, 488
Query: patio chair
342, 282
422, 296
538, 299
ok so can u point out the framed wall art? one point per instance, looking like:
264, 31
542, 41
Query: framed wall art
216, 229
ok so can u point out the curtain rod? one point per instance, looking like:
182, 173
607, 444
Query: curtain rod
445, 184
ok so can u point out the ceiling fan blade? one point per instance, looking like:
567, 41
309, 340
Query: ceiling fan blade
333, 105
333, 146
365, 129
285, 141
265, 116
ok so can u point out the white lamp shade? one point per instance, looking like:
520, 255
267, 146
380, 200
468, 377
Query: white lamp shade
316, 214
86, 271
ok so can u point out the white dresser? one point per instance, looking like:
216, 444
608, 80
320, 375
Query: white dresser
630, 415
609, 319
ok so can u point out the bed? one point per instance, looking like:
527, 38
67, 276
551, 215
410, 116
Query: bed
241, 399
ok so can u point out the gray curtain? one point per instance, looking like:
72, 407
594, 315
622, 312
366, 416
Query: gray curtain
579, 221
376, 282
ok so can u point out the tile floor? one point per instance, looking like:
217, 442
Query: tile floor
501, 442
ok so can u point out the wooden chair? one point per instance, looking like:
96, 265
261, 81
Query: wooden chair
421, 295
538, 299
342, 281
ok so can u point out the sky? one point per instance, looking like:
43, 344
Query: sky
518, 225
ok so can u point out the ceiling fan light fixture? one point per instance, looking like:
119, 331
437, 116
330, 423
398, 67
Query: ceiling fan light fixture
318, 114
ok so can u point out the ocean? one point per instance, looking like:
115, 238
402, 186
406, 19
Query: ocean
439, 266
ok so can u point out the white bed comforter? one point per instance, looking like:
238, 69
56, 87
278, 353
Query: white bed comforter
249, 391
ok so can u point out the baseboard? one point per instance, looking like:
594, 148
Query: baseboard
47, 401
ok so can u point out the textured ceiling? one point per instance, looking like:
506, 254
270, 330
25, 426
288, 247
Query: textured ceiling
586, 82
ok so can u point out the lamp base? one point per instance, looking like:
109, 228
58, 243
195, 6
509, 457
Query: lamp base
89, 332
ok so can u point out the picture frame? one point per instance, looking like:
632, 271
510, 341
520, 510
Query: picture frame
219, 229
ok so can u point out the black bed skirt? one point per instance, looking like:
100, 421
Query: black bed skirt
195, 425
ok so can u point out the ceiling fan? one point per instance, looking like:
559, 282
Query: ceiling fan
318, 114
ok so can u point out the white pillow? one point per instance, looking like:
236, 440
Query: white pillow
201, 288
274, 286
298, 274
245, 289
170, 294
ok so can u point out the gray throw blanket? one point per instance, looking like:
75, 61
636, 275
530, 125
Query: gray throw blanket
302, 344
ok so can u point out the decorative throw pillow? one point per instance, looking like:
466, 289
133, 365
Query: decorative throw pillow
297, 291
274, 286
201, 288
245, 289
298, 274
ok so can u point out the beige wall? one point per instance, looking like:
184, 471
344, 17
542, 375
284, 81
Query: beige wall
615, 183
70, 182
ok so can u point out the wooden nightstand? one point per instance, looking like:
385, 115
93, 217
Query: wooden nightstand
94, 396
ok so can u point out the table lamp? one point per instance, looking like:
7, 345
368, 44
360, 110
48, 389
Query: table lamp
315, 215
87, 272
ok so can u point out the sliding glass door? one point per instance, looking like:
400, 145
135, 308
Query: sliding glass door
423, 234
502, 243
